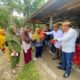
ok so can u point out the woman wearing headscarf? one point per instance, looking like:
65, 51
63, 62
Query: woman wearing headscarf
26, 45
2, 38
39, 44
14, 46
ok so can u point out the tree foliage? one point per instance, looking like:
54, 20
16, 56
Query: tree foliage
3, 17
25, 7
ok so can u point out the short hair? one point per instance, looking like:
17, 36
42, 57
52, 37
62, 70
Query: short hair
56, 25
47, 25
68, 23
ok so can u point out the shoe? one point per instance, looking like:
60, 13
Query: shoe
60, 63
13, 71
18, 66
59, 67
66, 75
35, 59
53, 58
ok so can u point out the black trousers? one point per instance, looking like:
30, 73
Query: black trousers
38, 51
57, 51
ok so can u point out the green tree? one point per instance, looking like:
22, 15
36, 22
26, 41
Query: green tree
12, 5
3, 17
30, 6
19, 22
26, 7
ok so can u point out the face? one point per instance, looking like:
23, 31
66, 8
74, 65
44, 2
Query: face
55, 28
29, 30
14, 29
65, 28
46, 27
4, 32
37, 30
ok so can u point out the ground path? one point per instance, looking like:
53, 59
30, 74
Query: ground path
5, 68
6, 74
50, 65
46, 66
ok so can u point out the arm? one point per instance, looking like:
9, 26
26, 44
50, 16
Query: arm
67, 36
49, 33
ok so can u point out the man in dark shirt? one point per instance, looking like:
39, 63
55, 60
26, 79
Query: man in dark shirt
48, 37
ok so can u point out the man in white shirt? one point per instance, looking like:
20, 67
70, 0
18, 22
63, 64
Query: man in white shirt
68, 47
57, 33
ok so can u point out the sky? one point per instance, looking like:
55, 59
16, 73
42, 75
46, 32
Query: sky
46, 0
16, 14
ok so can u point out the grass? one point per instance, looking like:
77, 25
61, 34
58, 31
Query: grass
29, 72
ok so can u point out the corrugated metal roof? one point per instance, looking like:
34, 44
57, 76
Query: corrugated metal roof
59, 9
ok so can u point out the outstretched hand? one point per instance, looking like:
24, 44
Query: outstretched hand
53, 41
44, 32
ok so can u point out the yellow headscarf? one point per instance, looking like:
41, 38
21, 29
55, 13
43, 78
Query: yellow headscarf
36, 35
2, 38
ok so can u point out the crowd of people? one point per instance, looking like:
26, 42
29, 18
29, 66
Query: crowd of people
61, 40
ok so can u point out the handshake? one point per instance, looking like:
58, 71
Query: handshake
53, 41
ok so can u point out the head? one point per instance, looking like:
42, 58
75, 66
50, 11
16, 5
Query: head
2, 32
55, 26
28, 29
37, 30
66, 26
46, 26
12, 29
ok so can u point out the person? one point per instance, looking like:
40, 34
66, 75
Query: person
68, 47
57, 33
47, 37
39, 44
2, 39
26, 45
14, 46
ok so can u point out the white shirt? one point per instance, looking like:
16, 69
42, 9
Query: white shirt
56, 34
69, 40
25, 46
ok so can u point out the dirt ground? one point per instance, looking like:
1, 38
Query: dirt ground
46, 66
5, 69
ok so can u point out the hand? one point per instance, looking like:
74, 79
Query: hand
14, 52
53, 41
56, 40
44, 32
0, 51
